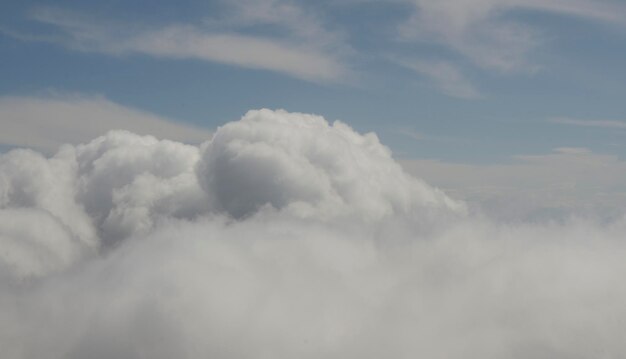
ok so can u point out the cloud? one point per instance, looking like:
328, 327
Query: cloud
46, 123
241, 50
121, 184
285, 289
481, 32
300, 22
285, 236
549, 186
445, 76
321, 169
308, 51
589, 123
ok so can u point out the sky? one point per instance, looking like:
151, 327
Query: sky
467, 83
459, 81
290, 179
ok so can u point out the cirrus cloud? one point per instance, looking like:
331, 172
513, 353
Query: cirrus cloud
307, 51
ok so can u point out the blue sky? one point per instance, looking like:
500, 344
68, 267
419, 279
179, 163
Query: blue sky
460, 81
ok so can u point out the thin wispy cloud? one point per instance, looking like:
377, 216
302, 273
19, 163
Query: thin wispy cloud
412, 134
481, 32
299, 22
422, 136
446, 77
299, 55
589, 123
607, 11
290, 38
47, 122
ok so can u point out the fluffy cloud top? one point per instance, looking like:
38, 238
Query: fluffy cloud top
284, 236
122, 184
302, 164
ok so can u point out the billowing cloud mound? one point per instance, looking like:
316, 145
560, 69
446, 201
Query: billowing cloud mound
90, 196
122, 185
127, 182
41, 225
284, 236
300, 163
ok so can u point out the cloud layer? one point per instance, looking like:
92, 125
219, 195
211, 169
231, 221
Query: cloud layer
543, 187
284, 236
43, 122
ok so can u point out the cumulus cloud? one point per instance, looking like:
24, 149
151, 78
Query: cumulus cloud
45, 123
122, 184
302, 164
284, 236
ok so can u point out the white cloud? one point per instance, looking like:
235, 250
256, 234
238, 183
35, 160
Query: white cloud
285, 289
320, 166
285, 236
241, 50
307, 52
298, 22
296, 164
565, 182
48, 122
446, 76
607, 11
589, 123
479, 31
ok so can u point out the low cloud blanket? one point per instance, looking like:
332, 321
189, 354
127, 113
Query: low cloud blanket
284, 236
